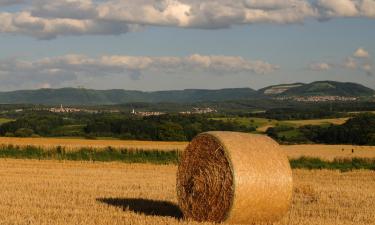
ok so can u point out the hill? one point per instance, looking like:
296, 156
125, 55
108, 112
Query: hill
319, 88
278, 89
79, 96
75, 96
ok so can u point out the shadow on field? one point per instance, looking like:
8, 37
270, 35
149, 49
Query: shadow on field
145, 206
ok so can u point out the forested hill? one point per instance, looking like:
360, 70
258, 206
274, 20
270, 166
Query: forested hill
319, 88
80, 96
75, 96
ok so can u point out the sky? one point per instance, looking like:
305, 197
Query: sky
181, 44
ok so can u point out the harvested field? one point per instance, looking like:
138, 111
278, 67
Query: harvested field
74, 144
335, 121
51, 192
329, 152
263, 124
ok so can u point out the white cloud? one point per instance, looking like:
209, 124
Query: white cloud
320, 66
360, 61
350, 63
44, 85
361, 53
54, 71
367, 8
367, 67
43, 28
338, 8
49, 19
10, 2
72, 9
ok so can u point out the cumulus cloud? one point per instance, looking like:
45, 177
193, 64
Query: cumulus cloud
54, 71
320, 66
350, 63
359, 61
72, 9
49, 19
10, 2
367, 67
361, 53
43, 28
367, 8
338, 8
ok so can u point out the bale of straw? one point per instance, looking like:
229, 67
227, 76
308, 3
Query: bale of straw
234, 177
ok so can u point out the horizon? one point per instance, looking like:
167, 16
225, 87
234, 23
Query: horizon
209, 89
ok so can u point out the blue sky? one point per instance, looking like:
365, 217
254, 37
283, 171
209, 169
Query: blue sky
43, 48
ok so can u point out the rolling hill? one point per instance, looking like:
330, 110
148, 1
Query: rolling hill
79, 96
75, 96
319, 88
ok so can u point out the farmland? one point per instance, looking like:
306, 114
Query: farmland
263, 124
74, 143
4, 120
52, 192
325, 152
329, 152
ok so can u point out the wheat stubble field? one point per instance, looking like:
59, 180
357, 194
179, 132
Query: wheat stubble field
54, 192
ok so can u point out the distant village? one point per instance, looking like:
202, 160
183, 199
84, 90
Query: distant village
62, 109
318, 98
195, 110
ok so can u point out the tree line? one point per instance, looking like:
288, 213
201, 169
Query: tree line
359, 130
159, 128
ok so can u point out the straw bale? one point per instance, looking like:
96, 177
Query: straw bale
234, 177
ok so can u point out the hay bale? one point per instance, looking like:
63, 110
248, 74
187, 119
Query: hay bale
234, 177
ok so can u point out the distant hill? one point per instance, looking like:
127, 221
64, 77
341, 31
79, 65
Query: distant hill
318, 88
79, 96
278, 89
75, 96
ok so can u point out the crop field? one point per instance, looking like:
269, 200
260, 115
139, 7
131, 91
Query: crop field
329, 152
336, 121
74, 144
325, 152
52, 192
263, 124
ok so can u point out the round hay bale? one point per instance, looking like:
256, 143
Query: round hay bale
234, 177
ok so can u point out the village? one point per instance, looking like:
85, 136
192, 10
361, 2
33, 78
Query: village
318, 98
194, 110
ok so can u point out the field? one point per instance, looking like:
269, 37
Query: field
329, 152
262, 124
336, 121
4, 120
51, 192
326, 152
74, 144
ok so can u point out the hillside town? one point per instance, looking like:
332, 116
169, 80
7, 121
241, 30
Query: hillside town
195, 110
317, 98
63, 109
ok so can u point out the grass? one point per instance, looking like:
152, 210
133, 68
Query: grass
89, 154
337, 164
4, 120
73, 144
69, 130
290, 134
261, 124
161, 157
